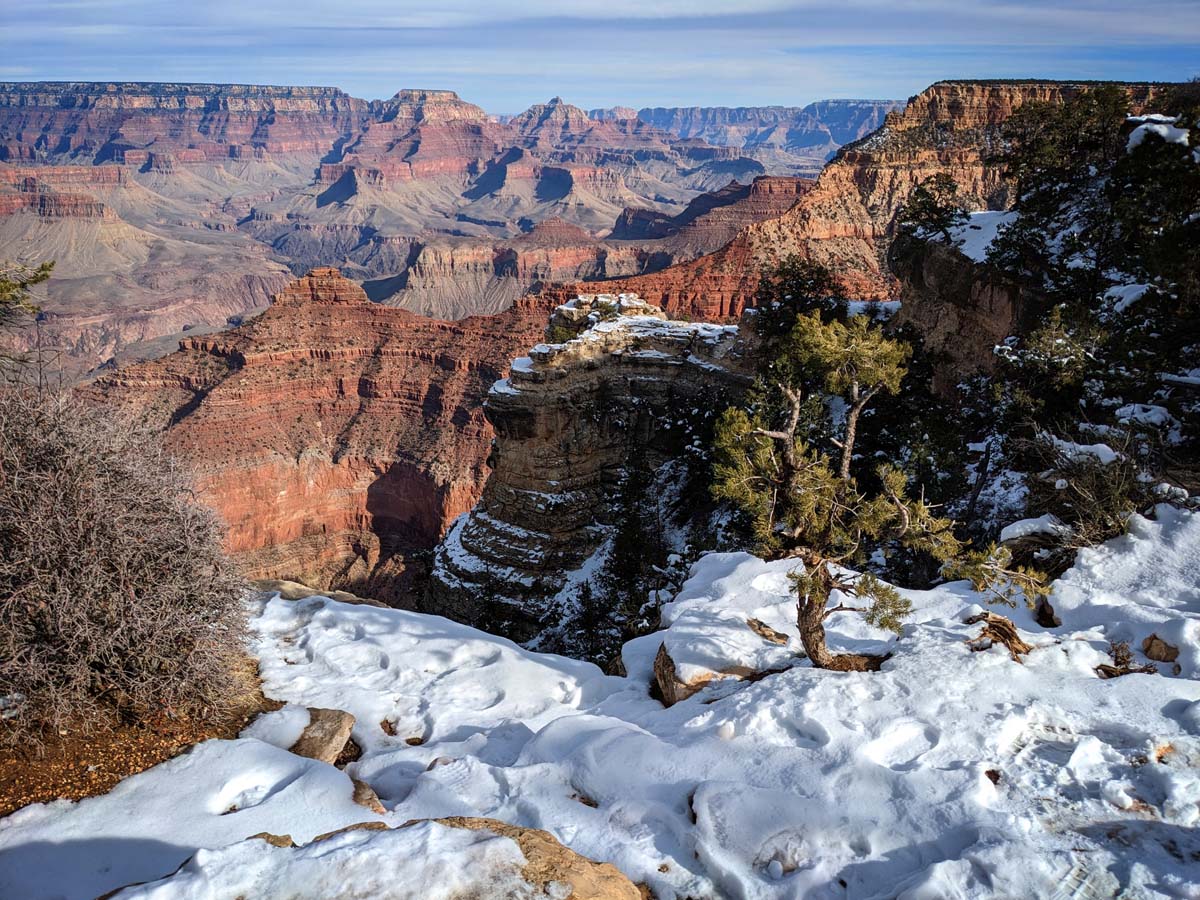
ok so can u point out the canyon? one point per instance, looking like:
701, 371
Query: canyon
847, 220
336, 437
340, 438
794, 139
177, 208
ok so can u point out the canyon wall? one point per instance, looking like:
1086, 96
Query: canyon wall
121, 121
962, 309
848, 219
567, 420
799, 139
173, 208
336, 437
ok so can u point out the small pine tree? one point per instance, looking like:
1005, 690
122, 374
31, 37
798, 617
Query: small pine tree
934, 209
596, 635
16, 307
632, 568
854, 360
793, 287
798, 505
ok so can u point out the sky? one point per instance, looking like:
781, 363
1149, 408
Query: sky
506, 54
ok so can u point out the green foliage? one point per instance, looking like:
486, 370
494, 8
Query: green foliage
1094, 219
933, 208
615, 609
993, 573
793, 287
851, 358
558, 334
887, 608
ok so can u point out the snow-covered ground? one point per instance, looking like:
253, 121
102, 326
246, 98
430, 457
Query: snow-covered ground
953, 772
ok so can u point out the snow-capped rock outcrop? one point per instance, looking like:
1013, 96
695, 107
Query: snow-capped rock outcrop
631, 384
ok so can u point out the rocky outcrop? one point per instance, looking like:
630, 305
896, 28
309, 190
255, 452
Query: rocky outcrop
567, 420
336, 437
325, 735
962, 309
848, 219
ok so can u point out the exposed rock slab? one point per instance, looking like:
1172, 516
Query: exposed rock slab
325, 735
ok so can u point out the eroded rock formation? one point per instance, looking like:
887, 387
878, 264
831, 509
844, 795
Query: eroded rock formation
962, 309
785, 138
567, 420
848, 219
173, 207
335, 436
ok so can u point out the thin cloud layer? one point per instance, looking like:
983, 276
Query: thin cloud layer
505, 55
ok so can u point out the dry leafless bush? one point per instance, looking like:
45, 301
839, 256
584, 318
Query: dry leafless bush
115, 594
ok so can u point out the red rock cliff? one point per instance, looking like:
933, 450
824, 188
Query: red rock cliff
334, 436
846, 221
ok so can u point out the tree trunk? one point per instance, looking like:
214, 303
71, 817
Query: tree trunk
848, 440
813, 596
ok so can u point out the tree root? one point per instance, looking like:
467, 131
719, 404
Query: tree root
998, 629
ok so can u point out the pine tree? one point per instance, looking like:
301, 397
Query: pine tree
793, 287
800, 506
637, 550
934, 209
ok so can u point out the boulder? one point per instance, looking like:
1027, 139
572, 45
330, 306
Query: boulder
325, 736
549, 868
1159, 650
549, 861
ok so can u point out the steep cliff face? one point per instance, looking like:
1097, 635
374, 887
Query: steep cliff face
848, 219
713, 219
336, 437
788, 138
119, 121
567, 420
962, 308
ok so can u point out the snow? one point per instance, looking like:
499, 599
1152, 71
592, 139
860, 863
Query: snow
1145, 414
1162, 128
975, 236
504, 386
1145, 582
1101, 453
1046, 524
441, 863
949, 773
1125, 295
218, 793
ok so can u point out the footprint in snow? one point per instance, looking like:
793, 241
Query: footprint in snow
902, 744
244, 792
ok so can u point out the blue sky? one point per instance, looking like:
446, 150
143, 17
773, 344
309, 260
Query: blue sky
506, 54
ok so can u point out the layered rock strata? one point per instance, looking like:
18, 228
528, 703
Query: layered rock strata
568, 419
173, 207
799, 139
848, 220
336, 437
